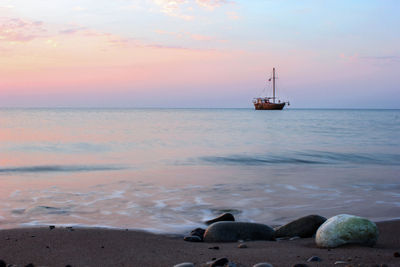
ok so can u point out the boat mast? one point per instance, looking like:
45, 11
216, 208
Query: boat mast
273, 84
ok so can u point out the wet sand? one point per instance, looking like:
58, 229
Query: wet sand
107, 247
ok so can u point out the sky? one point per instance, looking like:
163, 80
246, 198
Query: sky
199, 53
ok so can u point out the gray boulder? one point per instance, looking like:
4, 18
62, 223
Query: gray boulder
305, 226
346, 229
222, 218
234, 231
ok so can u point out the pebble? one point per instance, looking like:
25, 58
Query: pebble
294, 238
3, 263
396, 254
340, 262
198, 232
192, 238
30, 265
184, 264
300, 265
242, 245
216, 247
51, 227
223, 217
263, 264
314, 258
219, 262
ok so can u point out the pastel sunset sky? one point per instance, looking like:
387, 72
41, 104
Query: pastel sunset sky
199, 53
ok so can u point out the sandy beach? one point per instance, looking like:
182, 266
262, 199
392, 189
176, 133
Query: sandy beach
106, 247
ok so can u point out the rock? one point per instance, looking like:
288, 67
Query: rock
51, 227
340, 262
300, 265
234, 231
263, 264
242, 245
192, 238
294, 238
396, 254
302, 227
219, 262
184, 264
216, 248
3, 263
346, 229
314, 258
198, 232
222, 218
30, 265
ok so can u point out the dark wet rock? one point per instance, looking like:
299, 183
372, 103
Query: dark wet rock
219, 262
216, 248
3, 263
263, 264
198, 232
51, 227
242, 245
303, 227
396, 254
314, 258
192, 238
184, 264
222, 218
300, 265
234, 231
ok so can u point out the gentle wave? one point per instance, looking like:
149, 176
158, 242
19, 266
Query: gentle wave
316, 157
60, 168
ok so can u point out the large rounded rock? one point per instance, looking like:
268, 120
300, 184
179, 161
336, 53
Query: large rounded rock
304, 227
346, 229
234, 231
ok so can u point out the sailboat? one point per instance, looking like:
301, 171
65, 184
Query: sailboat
269, 103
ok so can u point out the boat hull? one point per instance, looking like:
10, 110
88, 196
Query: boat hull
269, 106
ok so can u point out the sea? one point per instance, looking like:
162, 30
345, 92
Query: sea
169, 170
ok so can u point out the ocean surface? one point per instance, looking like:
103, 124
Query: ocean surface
168, 170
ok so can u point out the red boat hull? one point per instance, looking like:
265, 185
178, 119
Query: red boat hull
269, 106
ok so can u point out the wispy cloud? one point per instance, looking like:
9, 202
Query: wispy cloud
184, 8
18, 30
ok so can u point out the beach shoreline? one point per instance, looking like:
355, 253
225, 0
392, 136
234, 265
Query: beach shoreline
64, 246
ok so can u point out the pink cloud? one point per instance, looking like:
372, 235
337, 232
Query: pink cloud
18, 30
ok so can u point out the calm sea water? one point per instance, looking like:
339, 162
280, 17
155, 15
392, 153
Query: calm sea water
167, 170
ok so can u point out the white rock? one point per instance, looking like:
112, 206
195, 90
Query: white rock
346, 229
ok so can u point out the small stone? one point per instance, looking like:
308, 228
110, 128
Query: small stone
192, 238
294, 238
33, 236
396, 254
219, 262
340, 262
384, 265
349, 259
184, 264
51, 227
242, 245
300, 265
223, 217
346, 229
30, 265
216, 248
198, 232
314, 258
68, 265
3, 263
263, 264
